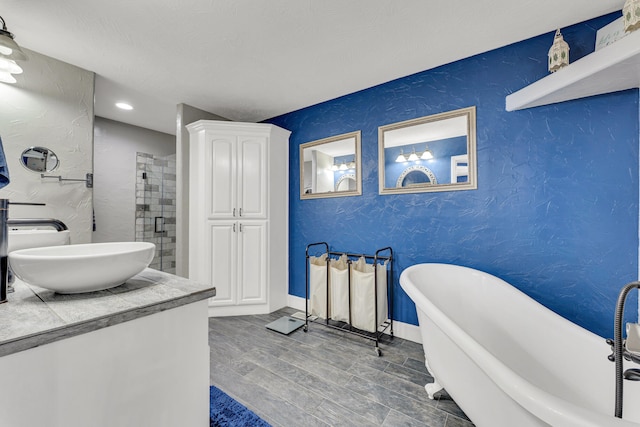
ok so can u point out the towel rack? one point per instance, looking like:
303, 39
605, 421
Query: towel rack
88, 180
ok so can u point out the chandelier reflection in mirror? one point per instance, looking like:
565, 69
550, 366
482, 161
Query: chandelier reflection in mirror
428, 154
330, 167
414, 157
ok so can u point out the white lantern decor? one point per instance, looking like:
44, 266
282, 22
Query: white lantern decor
558, 53
631, 15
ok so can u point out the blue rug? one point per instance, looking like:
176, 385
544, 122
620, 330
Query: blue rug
224, 411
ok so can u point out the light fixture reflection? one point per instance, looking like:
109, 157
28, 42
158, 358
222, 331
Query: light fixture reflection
427, 155
124, 106
401, 158
343, 166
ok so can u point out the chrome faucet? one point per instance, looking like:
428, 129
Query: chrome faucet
37, 222
6, 277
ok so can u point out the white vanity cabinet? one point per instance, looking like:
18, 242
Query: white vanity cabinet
238, 223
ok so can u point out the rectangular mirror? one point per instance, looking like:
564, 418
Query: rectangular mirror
432, 153
330, 167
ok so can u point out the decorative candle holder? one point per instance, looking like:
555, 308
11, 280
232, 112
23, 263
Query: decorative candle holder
631, 15
558, 53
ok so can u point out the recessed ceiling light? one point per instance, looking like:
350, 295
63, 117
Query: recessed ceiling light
124, 106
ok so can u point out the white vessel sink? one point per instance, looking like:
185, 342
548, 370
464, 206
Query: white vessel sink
33, 238
89, 267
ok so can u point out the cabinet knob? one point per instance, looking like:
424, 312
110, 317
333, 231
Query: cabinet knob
234, 213
240, 212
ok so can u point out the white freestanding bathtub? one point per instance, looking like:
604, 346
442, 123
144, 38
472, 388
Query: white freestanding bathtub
509, 361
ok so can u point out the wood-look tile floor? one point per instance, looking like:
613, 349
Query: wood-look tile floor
324, 377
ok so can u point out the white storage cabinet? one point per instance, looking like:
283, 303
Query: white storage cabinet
238, 221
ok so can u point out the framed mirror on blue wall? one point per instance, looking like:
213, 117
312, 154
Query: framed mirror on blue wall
428, 154
330, 167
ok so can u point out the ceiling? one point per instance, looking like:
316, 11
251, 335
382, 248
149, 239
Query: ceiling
249, 60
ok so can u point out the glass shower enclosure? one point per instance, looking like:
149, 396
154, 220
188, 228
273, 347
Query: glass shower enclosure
156, 207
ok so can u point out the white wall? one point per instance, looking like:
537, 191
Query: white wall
322, 172
185, 115
51, 105
114, 193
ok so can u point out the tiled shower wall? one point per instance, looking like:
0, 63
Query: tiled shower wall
156, 207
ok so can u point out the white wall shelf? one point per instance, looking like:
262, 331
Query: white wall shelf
613, 68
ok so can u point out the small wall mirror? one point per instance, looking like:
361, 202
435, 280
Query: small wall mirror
432, 153
39, 159
330, 167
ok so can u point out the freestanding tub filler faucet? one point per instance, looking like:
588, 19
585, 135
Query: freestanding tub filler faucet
4, 256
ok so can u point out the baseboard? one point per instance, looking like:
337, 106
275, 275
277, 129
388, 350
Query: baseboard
402, 330
238, 310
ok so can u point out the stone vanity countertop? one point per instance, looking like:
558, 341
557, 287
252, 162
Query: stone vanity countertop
34, 316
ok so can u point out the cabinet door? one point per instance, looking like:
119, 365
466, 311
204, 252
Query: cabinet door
252, 177
222, 244
221, 173
252, 262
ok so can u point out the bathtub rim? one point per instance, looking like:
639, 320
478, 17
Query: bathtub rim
537, 401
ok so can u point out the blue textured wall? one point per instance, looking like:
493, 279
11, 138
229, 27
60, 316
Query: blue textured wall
556, 209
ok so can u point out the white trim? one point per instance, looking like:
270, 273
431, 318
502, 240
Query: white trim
238, 310
402, 330
457, 170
